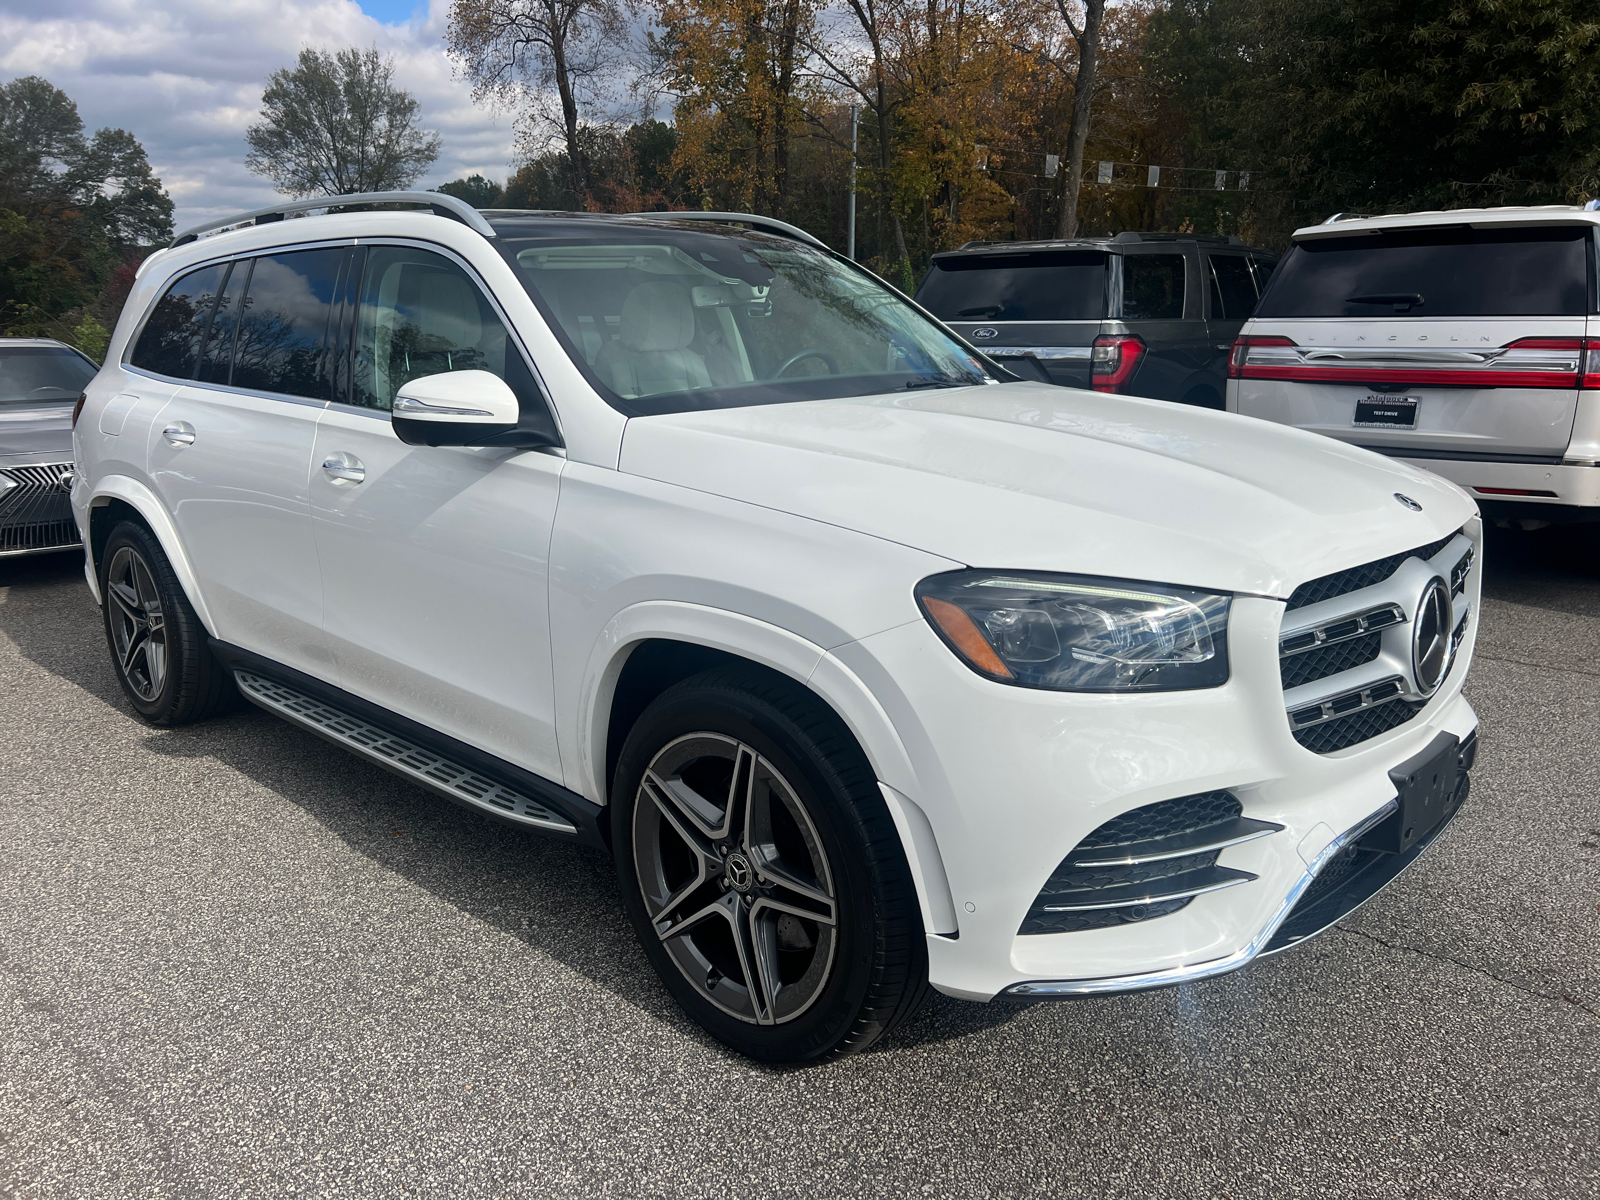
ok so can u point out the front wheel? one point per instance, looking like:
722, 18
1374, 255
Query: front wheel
762, 870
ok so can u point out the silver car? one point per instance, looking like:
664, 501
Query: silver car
40, 383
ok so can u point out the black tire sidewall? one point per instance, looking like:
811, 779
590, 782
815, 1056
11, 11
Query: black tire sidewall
832, 1016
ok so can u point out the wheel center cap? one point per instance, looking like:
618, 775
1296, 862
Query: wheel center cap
738, 873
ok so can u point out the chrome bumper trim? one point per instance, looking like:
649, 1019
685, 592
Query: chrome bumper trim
1217, 966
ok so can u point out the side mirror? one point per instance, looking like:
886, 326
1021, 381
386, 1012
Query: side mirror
456, 408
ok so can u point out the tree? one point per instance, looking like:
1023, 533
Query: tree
474, 189
1087, 37
515, 51
76, 214
336, 124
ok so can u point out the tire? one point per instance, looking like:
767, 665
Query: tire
158, 646
814, 840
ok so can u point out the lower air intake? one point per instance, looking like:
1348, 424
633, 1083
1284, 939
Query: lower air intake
1148, 862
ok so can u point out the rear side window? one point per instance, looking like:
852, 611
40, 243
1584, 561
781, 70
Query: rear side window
1233, 291
1057, 285
170, 342
1448, 272
1152, 287
282, 340
217, 356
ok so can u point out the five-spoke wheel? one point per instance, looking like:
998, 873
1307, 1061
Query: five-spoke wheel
137, 625
735, 878
762, 871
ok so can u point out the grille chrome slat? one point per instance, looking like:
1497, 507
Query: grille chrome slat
1176, 887
1198, 841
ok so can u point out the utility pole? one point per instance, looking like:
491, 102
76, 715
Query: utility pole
855, 116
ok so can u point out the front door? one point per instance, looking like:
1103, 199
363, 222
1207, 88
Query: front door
230, 453
434, 559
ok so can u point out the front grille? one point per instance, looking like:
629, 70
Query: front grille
1353, 579
37, 513
1328, 660
1344, 732
1146, 863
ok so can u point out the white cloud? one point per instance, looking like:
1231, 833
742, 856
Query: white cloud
185, 78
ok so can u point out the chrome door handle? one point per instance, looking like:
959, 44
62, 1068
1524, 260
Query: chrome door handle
344, 468
181, 434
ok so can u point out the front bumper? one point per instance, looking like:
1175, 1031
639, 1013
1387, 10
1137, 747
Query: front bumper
1011, 780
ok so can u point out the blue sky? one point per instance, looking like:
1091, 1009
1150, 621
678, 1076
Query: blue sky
185, 78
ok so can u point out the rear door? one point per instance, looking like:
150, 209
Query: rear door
230, 454
1036, 311
1445, 342
1159, 304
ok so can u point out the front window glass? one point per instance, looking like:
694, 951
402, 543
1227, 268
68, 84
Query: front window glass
42, 375
663, 320
422, 315
1049, 285
1442, 272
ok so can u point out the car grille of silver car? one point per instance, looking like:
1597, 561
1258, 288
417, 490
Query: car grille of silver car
1345, 666
36, 514
1148, 862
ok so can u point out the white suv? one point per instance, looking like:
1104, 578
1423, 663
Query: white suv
689, 539
1466, 342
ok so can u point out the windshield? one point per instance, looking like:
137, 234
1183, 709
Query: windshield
42, 375
1441, 272
662, 320
1051, 285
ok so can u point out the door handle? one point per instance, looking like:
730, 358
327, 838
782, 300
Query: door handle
179, 434
344, 468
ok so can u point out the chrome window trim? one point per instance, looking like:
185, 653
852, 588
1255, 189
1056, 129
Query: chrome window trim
1217, 966
228, 388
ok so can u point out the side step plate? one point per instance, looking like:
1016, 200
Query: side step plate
399, 755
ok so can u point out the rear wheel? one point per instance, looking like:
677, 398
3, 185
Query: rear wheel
157, 643
763, 872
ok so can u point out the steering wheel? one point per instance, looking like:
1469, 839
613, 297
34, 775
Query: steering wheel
810, 352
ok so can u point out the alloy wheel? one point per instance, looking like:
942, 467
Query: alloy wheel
138, 623
734, 877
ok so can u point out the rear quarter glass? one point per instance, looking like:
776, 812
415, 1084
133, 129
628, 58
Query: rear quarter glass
1439, 272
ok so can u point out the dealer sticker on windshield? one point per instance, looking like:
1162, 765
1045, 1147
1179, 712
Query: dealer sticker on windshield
1393, 412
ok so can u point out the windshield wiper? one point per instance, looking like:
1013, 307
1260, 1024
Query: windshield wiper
932, 381
988, 310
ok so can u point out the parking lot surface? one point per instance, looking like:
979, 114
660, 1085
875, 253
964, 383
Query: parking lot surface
236, 961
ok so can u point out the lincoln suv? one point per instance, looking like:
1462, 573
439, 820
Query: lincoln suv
872, 666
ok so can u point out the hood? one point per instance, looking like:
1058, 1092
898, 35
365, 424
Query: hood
30, 435
1028, 476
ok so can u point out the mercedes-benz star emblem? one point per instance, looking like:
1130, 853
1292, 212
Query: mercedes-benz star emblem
738, 873
985, 333
1408, 502
1431, 651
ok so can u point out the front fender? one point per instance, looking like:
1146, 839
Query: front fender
789, 654
142, 500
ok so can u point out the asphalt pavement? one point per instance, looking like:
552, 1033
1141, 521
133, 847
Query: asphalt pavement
238, 962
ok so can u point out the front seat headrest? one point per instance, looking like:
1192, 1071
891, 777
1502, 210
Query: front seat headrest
657, 316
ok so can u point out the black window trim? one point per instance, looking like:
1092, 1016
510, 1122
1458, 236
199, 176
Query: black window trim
353, 317
226, 260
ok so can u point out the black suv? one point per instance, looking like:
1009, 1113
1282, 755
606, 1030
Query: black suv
1145, 314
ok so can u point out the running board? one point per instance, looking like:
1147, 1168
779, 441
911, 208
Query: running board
401, 756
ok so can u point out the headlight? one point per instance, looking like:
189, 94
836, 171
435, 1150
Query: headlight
1077, 633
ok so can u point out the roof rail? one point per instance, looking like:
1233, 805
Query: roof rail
761, 224
1337, 217
438, 202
